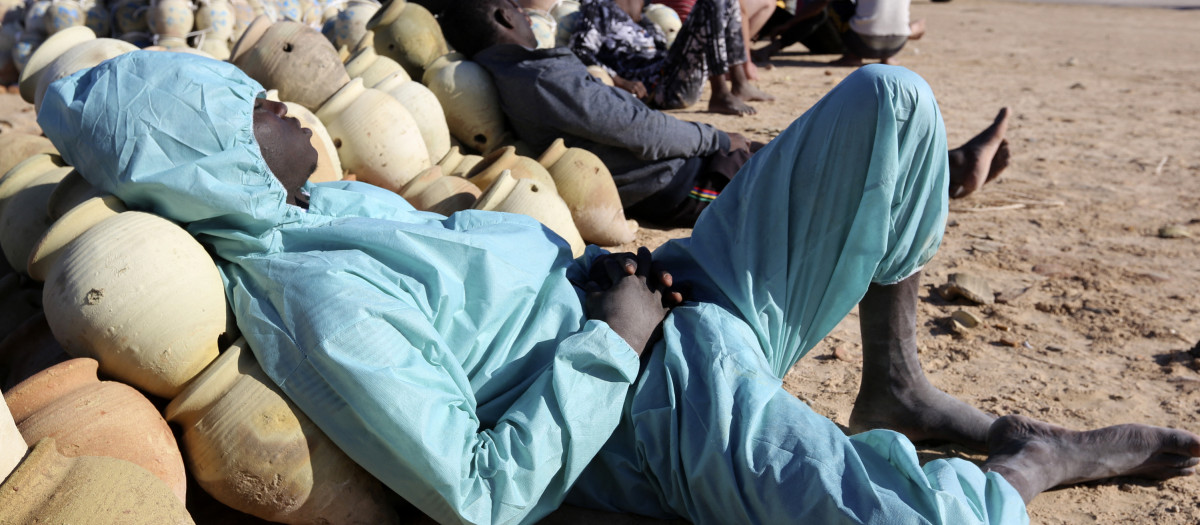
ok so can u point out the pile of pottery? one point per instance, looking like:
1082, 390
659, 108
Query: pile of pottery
75, 448
441, 142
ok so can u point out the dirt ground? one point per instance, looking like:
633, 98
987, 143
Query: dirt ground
1097, 320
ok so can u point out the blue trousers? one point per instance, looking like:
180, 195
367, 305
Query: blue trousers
853, 193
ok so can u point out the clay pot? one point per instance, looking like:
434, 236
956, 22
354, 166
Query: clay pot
528, 197
25, 172
12, 445
239, 430
329, 166
585, 184
66, 228
129, 16
16, 147
70, 192
63, 14
81, 56
665, 18
465, 166
24, 220
97, 18
450, 160
25, 46
484, 173
170, 18
423, 105
35, 16
468, 96
370, 67
215, 19
29, 349
377, 139
293, 58
89, 417
52, 48
409, 34
435, 192
48, 487
351, 23
139, 294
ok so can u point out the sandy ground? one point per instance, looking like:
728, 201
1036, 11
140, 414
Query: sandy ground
1098, 312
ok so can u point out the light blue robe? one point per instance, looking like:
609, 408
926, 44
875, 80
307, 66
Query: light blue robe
451, 356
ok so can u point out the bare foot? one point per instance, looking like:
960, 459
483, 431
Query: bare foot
729, 104
1034, 456
848, 60
971, 163
748, 92
922, 413
894, 392
916, 29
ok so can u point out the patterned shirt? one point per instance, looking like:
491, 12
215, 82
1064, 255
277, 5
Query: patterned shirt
608, 37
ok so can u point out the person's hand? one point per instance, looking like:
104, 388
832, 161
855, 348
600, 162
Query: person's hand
634, 87
738, 141
599, 277
626, 298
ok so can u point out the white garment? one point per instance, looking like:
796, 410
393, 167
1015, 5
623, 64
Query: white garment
881, 18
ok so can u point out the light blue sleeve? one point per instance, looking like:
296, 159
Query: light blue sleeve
389, 392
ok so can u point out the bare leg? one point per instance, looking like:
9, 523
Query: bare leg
916, 29
981, 159
1034, 456
723, 101
895, 394
754, 16
743, 89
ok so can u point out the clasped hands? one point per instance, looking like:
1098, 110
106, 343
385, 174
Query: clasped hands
633, 295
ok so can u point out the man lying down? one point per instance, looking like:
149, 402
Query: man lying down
454, 359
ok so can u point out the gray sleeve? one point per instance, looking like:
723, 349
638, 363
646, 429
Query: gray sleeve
582, 106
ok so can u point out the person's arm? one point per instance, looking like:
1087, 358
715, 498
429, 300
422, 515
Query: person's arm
392, 395
574, 103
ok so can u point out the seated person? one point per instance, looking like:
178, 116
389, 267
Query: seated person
861, 29
667, 170
612, 34
455, 359
876, 29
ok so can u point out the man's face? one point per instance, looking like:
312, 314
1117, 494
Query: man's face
284, 145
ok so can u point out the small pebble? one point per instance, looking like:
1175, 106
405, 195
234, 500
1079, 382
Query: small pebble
1174, 231
842, 353
968, 286
1072, 61
965, 318
1007, 341
1078, 85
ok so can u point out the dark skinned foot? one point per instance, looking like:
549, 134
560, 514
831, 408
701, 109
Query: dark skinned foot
975, 163
729, 104
1035, 456
751, 93
922, 413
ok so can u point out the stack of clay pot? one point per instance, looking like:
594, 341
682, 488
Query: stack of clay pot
52, 482
114, 298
